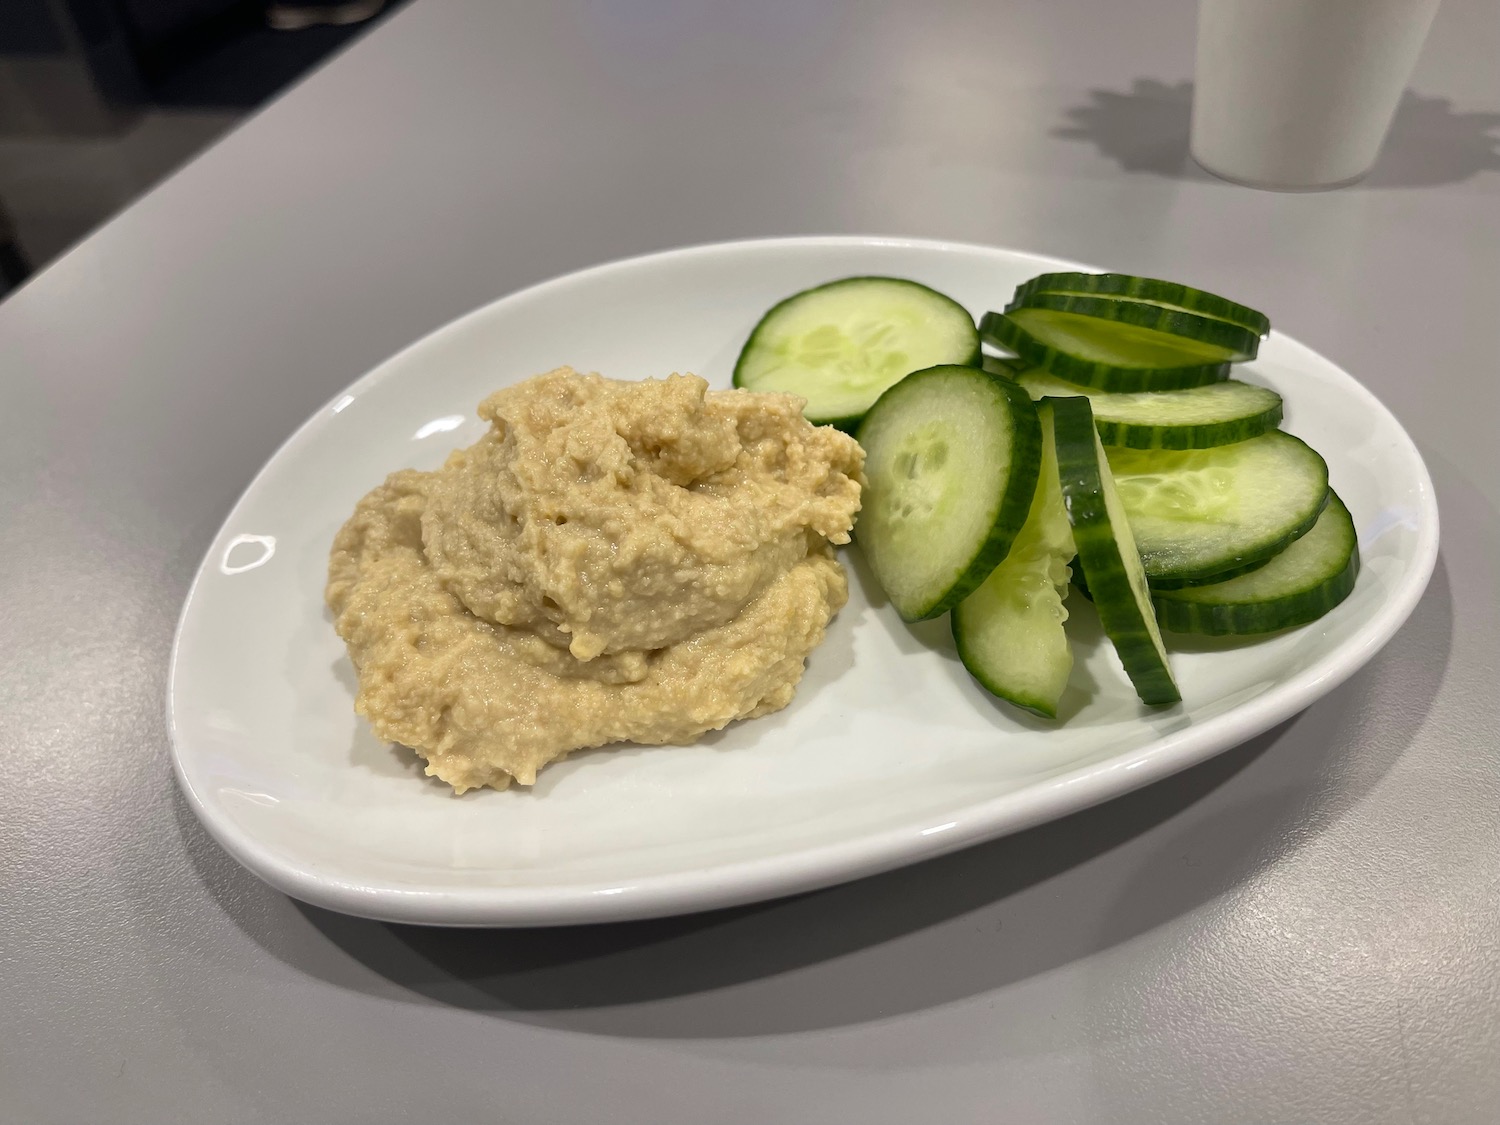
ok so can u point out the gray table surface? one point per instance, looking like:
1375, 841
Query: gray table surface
1306, 928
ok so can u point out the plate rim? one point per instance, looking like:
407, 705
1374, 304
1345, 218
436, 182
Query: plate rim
822, 865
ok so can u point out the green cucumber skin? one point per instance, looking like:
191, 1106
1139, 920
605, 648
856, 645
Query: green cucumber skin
1204, 435
1185, 612
1172, 583
1190, 326
1124, 435
1007, 366
1169, 585
1243, 563
847, 422
1025, 459
1000, 330
1129, 287
1163, 576
1080, 583
1245, 621
1035, 704
974, 618
1100, 555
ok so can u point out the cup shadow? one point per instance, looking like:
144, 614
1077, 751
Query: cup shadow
1145, 129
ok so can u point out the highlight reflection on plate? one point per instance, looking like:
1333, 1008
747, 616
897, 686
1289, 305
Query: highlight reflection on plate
246, 552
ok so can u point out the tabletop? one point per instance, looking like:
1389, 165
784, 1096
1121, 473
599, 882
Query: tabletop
1305, 928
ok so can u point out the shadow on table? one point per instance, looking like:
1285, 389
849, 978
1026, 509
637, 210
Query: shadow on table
908, 940
1146, 130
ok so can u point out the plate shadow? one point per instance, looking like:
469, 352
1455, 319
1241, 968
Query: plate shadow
907, 940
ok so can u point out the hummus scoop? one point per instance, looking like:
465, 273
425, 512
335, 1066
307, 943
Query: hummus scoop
642, 561
609, 517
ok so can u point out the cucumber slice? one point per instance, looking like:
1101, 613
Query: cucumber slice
1237, 343
1299, 585
1199, 513
1008, 366
1196, 418
1168, 294
951, 456
1169, 583
1104, 354
1009, 632
841, 345
1080, 582
1107, 552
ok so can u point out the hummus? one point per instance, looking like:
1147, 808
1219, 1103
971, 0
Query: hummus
612, 562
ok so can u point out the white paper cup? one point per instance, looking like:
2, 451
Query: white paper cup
1299, 94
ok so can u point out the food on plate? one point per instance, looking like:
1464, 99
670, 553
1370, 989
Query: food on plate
1107, 552
1297, 586
951, 458
1009, 632
1151, 290
1163, 489
1198, 513
613, 561
1233, 342
1104, 354
1195, 418
840, 345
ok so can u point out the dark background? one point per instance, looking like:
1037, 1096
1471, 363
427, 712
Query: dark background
100, 99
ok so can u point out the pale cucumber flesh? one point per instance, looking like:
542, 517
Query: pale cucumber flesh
1098, 353
1107, 552
1305, 581
1202, 512
1113, 316
841, 345
1153, 681
1192, 418
951, 466
1009, 632
1167, 294
1105, 341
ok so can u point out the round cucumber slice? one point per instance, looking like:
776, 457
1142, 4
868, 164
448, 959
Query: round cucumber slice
1195, 418
951, 456
1199, 513
1009, 632
1107, 552
1299, 585
1105, 354
1236, 343
840, 345
1168, 294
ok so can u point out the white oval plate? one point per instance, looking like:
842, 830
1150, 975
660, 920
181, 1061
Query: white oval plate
890, 752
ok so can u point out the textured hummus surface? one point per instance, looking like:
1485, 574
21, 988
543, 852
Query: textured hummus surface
613, 561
